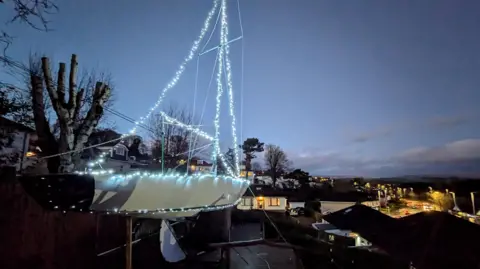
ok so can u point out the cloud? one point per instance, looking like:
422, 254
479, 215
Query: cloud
457, 151
364, 137
445, 122
334, 163
448, 122
460, 157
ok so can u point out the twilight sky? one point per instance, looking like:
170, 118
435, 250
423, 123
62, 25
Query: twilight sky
371, 87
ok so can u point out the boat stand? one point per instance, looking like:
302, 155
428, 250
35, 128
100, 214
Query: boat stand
128, 246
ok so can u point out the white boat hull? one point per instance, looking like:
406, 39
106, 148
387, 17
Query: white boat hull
165, 196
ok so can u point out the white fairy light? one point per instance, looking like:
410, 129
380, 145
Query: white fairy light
230, 87
216, 122
186, 126
178, 74
224, 51
173, 82
171, 176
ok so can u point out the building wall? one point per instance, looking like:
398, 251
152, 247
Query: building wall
201, 168
13, 155
327, 206
269, 203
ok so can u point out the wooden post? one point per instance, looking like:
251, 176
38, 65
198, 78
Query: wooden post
128, 247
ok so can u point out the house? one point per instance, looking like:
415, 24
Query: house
243, 173
427, 240
17, 144
264, 197
129, 149
198, 165
344, 238
126, 153
335, 201
268, 198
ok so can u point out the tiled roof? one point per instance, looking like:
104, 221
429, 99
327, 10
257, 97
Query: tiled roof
429, 240
13, 124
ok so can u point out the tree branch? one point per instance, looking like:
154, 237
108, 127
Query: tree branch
77, 107
100, 96
46, 139
47, 75
72, 86
61, 84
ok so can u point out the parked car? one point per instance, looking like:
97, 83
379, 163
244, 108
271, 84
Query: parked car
298, 211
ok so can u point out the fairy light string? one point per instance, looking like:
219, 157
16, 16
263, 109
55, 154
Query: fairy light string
173, 82
216, 122
228, 73
224, 68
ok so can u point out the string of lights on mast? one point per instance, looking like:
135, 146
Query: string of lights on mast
225, 70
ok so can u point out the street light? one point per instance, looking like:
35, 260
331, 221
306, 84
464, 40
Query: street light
472, 195
456, 208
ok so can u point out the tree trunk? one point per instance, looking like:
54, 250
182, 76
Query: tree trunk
74, 132
273, 174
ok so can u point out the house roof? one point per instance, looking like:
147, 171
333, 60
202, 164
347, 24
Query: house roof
301, 195
429, 240
439, 234
334, 196
267, 190
199, 162
100, 136
4, 122
358, 218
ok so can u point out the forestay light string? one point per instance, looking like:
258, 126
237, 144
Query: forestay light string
173, 82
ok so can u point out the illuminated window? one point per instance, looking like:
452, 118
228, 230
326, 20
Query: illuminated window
331, 237
247, 202
274, 202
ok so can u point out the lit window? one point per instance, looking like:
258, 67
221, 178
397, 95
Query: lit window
331, 237
274, 202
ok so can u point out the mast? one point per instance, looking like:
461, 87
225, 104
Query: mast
163, 144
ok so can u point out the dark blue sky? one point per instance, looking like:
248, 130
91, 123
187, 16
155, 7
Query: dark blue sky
345, 87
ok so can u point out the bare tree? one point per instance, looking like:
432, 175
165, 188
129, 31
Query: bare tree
256, 166
180, 143
32, 12
276, 161
74, 127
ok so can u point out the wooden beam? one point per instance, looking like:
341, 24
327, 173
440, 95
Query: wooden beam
247, 243
128, 249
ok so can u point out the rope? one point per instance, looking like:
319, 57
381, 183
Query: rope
270, 220
242, 72
213, 31
82, 149
206, 97
190, 143
202, 147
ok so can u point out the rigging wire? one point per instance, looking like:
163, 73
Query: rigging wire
194, 108
208, 93
242, 70
241, 115
211, 34
270, 220
82, 149
118, 114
